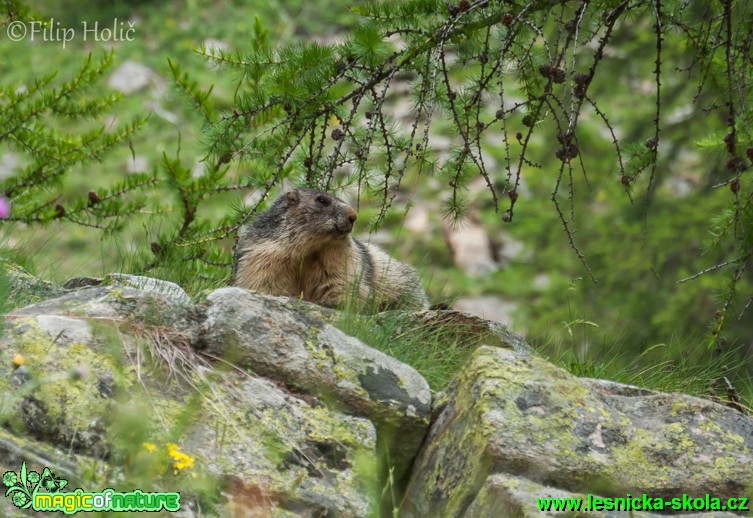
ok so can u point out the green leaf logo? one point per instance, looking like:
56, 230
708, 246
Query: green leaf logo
22, 488
51, 483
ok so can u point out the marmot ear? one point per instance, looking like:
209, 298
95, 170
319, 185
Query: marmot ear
293, 197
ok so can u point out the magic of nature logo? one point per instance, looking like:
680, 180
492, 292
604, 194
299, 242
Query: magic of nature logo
44, 492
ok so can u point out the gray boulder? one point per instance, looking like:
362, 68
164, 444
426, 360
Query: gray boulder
262, 334
88, 377
512, 424
166, 288
131, 77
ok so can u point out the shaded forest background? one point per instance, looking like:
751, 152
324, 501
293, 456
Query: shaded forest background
636, 323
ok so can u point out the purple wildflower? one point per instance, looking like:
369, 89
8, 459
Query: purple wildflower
4, 208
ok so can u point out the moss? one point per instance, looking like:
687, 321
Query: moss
469, 437
69, 403
324, 426
116, 294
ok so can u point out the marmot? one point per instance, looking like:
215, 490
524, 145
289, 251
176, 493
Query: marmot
301, 246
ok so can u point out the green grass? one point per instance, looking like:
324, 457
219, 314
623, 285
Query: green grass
676, 366
439, 351
436, 352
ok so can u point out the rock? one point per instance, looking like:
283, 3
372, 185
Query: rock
160, 111
159, 286
684, 176
478, 188
75, 283
488, 307
511, 496
214, 46
116, 303
542, 281
65, 330
508, 249
110, 367
679, 186
131, 77
381, 238
199, 169
470, 246
166, 288
439, 142
403, 108
512, 426
417, 220
24, 288
14, 451
137, 164
281, 414
259, 332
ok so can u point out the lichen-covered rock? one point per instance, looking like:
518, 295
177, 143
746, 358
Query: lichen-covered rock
512, 496
165, 288
262, 334
117, 303
516, 415
490, 307
98, 371
23, 288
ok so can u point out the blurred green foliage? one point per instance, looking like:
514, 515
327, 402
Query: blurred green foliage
209, 142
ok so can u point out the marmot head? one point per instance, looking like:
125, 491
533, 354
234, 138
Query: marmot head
319, 213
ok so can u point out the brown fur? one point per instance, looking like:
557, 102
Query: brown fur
301, 247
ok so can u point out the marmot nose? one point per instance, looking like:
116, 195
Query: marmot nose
352, 216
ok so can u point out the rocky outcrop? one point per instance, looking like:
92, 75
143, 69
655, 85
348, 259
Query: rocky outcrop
259, 333
513, 427
297, 425
256, 406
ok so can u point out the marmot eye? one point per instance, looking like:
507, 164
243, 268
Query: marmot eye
322, 200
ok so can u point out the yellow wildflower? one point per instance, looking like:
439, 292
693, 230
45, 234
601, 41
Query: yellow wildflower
180, 459
150, 447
